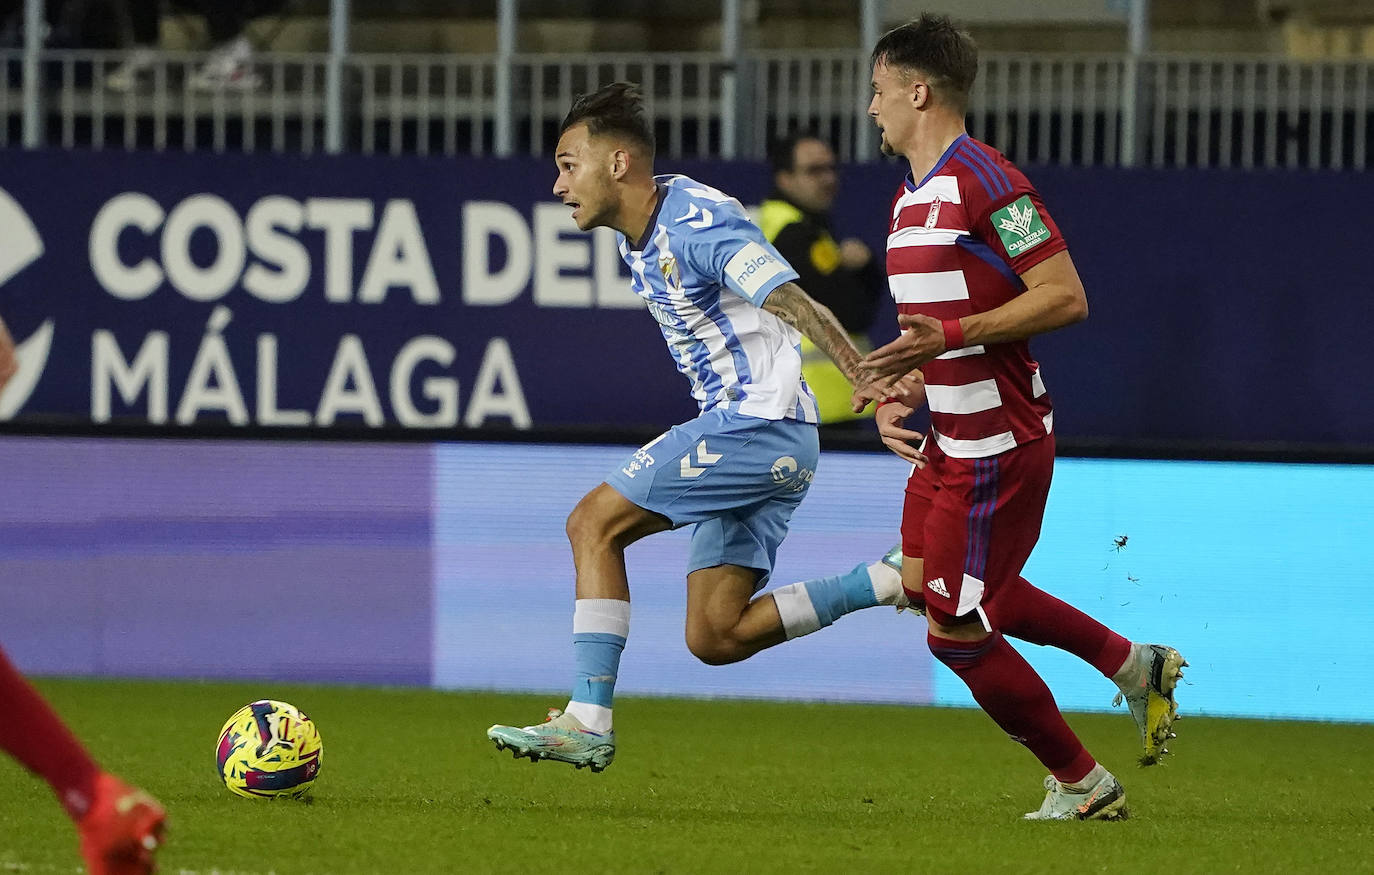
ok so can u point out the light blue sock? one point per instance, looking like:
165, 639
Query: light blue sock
833, 597
814, 604
596, 656
600, 627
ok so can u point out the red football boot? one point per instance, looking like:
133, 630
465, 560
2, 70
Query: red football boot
122, 829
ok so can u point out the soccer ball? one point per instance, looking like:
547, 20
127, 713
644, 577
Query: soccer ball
269, 749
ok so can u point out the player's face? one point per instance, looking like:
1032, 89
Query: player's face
813, 180
892, 109
584, 179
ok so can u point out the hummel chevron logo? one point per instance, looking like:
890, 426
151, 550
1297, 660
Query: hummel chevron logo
705, 214
938, 586
705, 458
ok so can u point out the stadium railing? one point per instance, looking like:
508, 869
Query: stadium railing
1106, 109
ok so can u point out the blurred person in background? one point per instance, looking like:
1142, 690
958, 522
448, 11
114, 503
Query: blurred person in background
229, 65
841, 275
120, 826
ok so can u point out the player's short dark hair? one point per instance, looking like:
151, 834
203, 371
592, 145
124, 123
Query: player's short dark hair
933, 45
782, 151
616, 109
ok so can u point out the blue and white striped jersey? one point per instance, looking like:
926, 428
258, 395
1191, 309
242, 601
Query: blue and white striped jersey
705, 270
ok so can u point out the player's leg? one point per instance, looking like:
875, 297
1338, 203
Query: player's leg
987, 506
726, 624
662, 485
1145, 674
1009, 690
743, 505
599, 529
120, 827
812, 605
745, 502
1026, 612
921, 488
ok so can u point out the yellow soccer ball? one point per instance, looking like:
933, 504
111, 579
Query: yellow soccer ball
269, 749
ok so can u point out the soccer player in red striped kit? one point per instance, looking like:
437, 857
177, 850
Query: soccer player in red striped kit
977, 266
120, 826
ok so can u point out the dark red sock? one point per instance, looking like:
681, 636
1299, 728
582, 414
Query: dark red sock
1015, 697
32, 733
1034, 615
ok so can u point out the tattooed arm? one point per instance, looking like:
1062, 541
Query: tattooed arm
795, 307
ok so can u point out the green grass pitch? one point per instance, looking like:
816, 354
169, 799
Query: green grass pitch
409, 784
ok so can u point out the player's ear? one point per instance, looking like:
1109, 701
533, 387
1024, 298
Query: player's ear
920, 94
620, 163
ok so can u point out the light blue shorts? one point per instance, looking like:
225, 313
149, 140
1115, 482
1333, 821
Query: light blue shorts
738, 478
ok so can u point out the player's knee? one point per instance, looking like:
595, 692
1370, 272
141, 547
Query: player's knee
586, 524
969, 627
712, 646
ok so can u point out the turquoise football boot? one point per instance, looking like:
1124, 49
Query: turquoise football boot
893, 559
562, 738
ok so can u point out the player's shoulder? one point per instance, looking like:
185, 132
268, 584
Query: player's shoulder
984, 172
692, 207
686, 190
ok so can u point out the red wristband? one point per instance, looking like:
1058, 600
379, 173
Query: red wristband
888, 400
954, 334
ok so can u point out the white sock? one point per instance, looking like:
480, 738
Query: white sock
1089, 780
594, 717
887, 582
794, 607
1128, 676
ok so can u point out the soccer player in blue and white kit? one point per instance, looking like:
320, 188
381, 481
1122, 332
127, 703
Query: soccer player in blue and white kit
733, 319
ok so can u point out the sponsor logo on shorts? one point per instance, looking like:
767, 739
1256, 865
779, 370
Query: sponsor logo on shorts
786, 472
938, 587
641, 459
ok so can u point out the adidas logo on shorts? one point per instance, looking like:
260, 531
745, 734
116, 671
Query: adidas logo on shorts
937, 586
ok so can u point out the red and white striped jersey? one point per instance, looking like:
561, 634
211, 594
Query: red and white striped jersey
958, 241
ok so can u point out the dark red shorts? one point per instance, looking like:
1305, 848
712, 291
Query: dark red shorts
975, 521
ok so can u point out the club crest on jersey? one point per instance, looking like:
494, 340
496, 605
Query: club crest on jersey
672, 274
933, 216
1019, 225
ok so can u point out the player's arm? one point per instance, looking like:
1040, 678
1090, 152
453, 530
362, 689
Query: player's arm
795, 307
9, 363
1052, 296
1053, 299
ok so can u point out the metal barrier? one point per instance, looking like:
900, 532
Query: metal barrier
1156, 110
